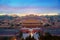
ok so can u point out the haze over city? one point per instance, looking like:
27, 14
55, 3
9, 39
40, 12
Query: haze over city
29, 6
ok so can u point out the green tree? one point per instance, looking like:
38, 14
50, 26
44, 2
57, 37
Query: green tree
48, 36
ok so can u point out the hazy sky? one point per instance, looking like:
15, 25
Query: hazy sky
30, 6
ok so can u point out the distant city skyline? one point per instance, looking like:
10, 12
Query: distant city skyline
29, 6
